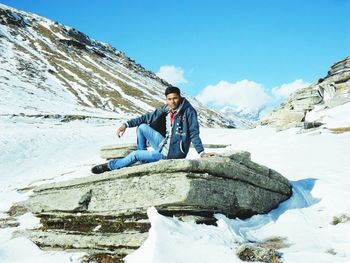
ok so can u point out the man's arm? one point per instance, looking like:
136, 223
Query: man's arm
146, 118
194, 131
194, 134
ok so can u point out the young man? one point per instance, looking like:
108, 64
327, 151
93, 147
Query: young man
169, 129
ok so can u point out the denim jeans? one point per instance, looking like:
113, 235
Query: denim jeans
144, 133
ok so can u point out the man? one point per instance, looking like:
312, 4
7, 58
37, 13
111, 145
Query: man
169, 129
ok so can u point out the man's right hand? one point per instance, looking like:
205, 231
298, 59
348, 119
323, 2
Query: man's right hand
121, 129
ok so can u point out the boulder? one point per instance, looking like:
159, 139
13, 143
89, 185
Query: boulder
107, 213
253, 253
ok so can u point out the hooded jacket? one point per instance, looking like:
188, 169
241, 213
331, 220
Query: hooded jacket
185, 128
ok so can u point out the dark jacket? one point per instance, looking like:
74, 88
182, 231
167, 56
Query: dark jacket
185, 128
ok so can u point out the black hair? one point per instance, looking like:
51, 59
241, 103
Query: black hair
172, 89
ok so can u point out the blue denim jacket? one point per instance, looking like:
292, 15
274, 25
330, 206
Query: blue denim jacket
185, 128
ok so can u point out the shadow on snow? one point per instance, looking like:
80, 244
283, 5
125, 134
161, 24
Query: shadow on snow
301, 198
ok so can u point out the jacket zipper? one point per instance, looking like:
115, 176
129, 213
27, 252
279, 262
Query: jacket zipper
181, 147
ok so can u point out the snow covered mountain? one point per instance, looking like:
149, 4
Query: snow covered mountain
51, 69
240, 118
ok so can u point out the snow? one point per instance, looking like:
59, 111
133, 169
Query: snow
19, 250
39, 150
336, 117
36, 151
171, 240
319, 171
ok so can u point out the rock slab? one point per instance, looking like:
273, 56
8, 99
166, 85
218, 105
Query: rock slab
107, 213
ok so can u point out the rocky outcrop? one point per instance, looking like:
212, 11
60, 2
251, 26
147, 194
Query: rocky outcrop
10, 18
328, 92
107, 213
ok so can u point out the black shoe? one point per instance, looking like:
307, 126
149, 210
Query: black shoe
100, 168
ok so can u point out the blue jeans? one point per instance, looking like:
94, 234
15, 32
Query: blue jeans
144, 133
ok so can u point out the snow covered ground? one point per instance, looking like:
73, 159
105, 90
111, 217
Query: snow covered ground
317, 164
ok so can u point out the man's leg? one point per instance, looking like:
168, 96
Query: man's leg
147, 133
133, 157
144, 133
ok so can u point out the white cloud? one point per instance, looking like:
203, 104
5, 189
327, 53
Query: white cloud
173, 75
243, 95
285, 90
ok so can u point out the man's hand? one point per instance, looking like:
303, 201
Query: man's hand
121, 129
208, 155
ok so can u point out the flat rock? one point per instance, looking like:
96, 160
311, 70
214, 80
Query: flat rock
97, 211
116, 151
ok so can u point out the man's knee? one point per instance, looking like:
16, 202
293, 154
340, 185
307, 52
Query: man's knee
133, 156
142, 127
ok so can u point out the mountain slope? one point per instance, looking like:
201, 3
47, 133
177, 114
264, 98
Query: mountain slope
49, 68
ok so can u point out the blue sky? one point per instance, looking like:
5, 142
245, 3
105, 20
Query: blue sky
216, 44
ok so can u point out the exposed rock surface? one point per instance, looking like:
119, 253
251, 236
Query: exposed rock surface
263, 251
328, 92
114, 151
107, 213
257, 253
8, 222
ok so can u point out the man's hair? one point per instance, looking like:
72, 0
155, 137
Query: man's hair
172, 89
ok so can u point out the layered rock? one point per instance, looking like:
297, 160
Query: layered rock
328, 92
107, 213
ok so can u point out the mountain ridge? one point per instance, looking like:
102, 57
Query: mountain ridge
49, 68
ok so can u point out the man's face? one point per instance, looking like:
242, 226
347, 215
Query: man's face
173, 100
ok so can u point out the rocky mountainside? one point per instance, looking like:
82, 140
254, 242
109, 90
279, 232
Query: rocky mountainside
309, 107
48, 68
